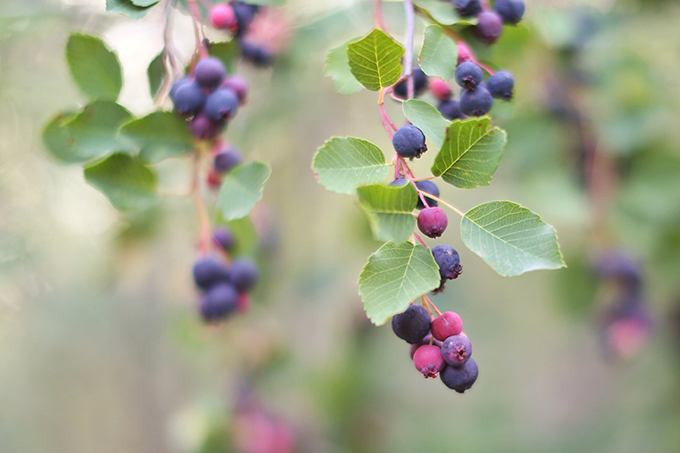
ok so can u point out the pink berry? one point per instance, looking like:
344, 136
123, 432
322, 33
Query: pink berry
447, 325
432, 222
222, 16
426, 340
428, 360
464, 54
214, 179
440, 89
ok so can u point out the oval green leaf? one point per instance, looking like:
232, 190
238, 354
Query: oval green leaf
155, 73
439, 54
337, 68
511, 238
160, 135
242, 189
94, 68
428, 119
344, 163
393, 277
389, 210
375, 61
127, 8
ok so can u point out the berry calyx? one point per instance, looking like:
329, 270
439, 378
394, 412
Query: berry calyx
456, 350
409, 141
428, 360
446, 325
448, 260
461, 378
500, 85
412, 325
469, 75
432, 222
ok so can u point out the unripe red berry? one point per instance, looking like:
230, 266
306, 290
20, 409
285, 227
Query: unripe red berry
464, 54
440, 89
214, 179
428, 360
222, 16
432, 222
446, 325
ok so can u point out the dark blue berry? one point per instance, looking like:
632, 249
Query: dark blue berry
467, 8
209, 271
221, 105
511, 11
177, 85
210, 73
409, 141
469, 75
461, 378
489, 26
500, 85
427, 187
189, 99
244, 274
245, 14
450, 109
432, 222
224, 238
400, 182
456, 350
257, 55
239, 86
448, 261
204, 128
219, 301
419, 84
412, 325
227, 159
477, 102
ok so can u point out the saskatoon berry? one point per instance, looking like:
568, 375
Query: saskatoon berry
245, 14
214, 179
412, 325
477, 102
409, 141
209, 271
224, 238
448, 261
511, 11
239, 86
489, 26
456, 350
221, 105
428, 360
400, 182
440, 89
209, 73
469, 75
432, 222
500, 85
257, 55
244, 274
427, 187
177, 85
450, 109
446, 325
464, 53
203, 127
219, 301
188, 98
419, 84
426, 340
467, 8
223, 16
227, 159
460, 379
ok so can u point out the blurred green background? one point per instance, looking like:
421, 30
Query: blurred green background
101, 348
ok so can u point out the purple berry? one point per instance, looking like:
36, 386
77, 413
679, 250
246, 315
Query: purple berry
456, 350
177, 85
469, 75
419, 84
489, 26
412, 325
227, 159
204, 128
210, 73
239, 86
224, 238
257, 55
221, 105
188, 98
428, 360
432, 222
462, 378
476, 103
400, 182
466, 8
244, 274
219, 301
210, 270
446, 325
450, 109
409, 141
500, 85
448, 260
511, 11
427, 187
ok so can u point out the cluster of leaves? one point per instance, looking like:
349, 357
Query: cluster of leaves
508, 237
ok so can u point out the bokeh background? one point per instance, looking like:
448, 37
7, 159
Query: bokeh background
101, 348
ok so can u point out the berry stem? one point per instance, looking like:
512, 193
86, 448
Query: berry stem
419, 238
427, 307
408, 55
198, 32
205, 238
387, 123
378, 20
451, 207
427, 178
409, 175
434, 307
485, 5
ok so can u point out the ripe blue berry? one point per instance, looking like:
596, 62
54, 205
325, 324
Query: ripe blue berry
177, 85
244, 274
511, 11
257, 55
204, 128
419, 84
188, 98
462, 378
448, 261
456, 350
210, 73
477, 102
500, 85
219, 301
489, 26
450, 109
245, 14
427, 187
239, 86
432, 222
469, 75
221, 105
210, 270
428, 360
412, 325
227, 159
224, 238
466, 8
409, 141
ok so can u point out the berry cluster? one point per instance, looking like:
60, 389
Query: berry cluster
438, 346
226, 284
490, 23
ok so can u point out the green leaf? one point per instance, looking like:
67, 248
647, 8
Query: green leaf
94, 68
389, 210
442, 12
470, 153
127, 8
242, 189
88, 135
160, 135
155, 73
393, 277
511, 238
144, 3
337, 68
375, 60
228, 52
343, 164
125, 180
439, 54
428, 119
